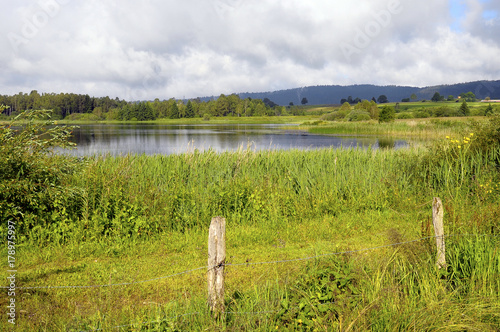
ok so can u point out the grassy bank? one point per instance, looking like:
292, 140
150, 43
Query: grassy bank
145, 218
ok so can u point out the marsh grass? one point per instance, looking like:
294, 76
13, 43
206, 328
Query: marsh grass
415, 128
145, 217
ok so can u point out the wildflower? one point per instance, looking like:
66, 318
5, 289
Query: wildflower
459, 146
447, 137
471, 134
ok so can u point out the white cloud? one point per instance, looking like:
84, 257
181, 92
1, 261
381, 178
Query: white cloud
153, 48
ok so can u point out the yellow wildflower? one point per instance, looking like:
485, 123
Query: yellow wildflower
459, 146
447, 137
471, 134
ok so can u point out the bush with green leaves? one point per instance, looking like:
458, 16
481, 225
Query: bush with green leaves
358, 115
35, 186
320, 295
387, 114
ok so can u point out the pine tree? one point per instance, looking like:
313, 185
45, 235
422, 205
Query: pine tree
464, 108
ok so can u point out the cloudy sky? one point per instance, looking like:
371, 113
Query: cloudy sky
171, 48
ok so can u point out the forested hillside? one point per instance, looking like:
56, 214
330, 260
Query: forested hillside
333, 94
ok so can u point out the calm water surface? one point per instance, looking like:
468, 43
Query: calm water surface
119, 139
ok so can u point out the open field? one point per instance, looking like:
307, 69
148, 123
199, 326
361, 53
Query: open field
115, 222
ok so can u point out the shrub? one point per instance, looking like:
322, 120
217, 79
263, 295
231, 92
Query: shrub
33, 178
387, 114
358, 115
405, 115
335, 116
487, 134
422, 114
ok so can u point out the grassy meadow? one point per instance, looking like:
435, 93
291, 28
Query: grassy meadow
326, 240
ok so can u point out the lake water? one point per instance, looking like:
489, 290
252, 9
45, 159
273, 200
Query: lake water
119, 139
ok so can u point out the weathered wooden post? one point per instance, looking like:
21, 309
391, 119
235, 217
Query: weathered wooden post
216, 261
437, 221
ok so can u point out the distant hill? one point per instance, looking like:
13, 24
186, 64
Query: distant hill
332, 94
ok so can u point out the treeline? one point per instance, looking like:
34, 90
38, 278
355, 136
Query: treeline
63, 104
382, 99
83, 107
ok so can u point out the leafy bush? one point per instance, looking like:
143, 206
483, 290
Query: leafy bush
358, 115
320, 295
387, 114
487, 134
335, 116
34, 183
422, 114
405, 115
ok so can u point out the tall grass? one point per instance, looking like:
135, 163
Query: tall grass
418, 128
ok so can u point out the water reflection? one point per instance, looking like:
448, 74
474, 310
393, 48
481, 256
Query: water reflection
119, 139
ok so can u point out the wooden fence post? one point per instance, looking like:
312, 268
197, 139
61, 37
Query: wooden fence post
437, 221
216, 261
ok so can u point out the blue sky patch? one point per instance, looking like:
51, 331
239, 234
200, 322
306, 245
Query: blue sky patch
490, 14
458, 12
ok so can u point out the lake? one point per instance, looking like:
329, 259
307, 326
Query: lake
120, 139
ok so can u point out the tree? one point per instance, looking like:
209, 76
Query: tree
464, 108
304, 101
437, 97
173, 109
345, 107
382, 99
222, 105
387, 114
469, 96
450, 98
413, 97
189, 110
370, 107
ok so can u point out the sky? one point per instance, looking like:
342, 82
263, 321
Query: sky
142, 50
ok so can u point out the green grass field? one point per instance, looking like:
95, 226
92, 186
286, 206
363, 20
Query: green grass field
134, 225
